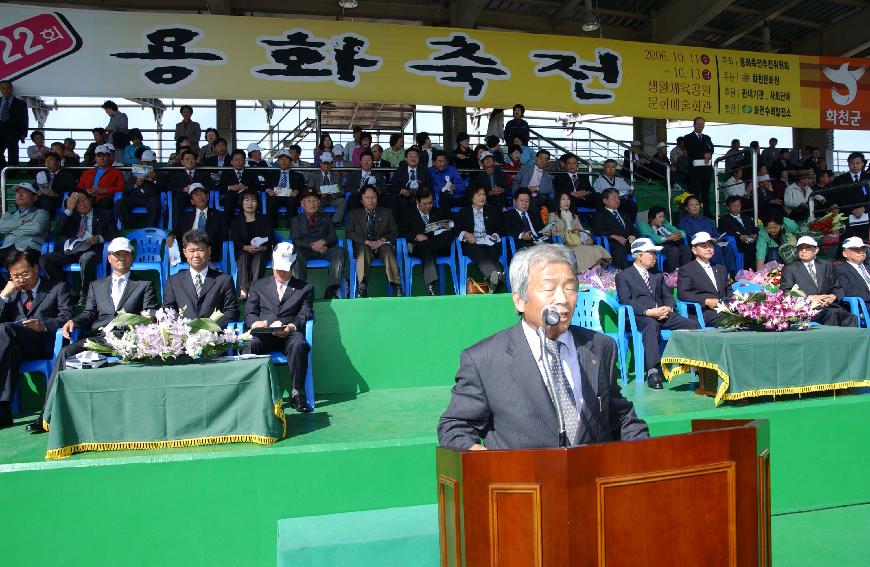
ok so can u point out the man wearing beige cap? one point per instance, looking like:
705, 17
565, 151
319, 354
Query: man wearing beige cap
276, 311
854, 274
119, 291
141, 190
817, 279
25, 227
703, 283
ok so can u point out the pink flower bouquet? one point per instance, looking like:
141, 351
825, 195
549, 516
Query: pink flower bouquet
768, 311
768, 276
599, 278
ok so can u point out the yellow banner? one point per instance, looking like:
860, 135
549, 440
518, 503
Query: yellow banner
62, 52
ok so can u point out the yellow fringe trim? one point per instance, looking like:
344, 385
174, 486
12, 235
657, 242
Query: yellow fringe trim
279, 413
682, 365
176, 443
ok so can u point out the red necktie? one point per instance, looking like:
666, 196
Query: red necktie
28, 303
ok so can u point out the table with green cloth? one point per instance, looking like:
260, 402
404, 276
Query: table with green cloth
750, 364
142, 406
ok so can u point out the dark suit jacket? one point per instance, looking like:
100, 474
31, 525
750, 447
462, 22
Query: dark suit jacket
851, 281
385, 226
797, 273
465, 220
296, 307
102, 224
218, 293
694, 285
563, 183
632, 291
64, 181
401, 177
250, 177
17, 125
500, 181
303, 235
604, 224
273, 176
695, 148
512, 224
50, 306
262, 227
179, 179
99, 309
353, 179
212, 161
215, 227
850, 194
500, 396
412, 224
729, 225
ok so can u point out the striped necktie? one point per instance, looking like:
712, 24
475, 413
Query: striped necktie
563, 391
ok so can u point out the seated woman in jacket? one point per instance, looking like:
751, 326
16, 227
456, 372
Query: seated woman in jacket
776, 227
694, 222
568, 226
664, 234
252, 235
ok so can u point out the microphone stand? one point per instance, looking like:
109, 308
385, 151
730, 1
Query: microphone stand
548, 382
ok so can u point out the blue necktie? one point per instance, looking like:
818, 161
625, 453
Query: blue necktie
283, 181
617, 216
201, 223
413, 175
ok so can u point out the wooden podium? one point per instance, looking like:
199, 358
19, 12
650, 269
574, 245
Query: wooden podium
697, 499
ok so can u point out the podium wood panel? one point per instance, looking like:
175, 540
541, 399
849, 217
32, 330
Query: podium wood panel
701, 498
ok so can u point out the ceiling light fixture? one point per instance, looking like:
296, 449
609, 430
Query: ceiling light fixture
348, 4
590, 19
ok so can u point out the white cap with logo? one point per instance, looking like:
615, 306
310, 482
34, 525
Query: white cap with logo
807, 241
284, 153
148, 155
283, 257
644, 245
702, 237
854, 242
194, 186
120, 244
104, 149
254, 147
27, 186
326, 156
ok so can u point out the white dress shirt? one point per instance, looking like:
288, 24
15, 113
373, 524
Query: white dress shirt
119, 284
193, 275
862, 273
708, 269
570, 361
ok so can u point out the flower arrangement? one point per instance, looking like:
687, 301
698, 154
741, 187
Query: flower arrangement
671, 279
599, 278
768, 276
826, 225
169, 336
768, 311
681, 198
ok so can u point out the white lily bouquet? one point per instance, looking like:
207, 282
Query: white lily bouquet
169, 337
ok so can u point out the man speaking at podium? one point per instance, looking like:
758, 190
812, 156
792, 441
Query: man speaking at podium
510, 396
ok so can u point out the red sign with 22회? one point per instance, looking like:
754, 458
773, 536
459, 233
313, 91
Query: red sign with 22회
35, 42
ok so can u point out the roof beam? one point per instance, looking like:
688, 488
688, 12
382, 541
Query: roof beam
566, 8
220, 7
842, 39
464, 13
678, 19
751, 23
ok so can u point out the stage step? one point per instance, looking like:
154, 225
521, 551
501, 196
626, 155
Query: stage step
391, 536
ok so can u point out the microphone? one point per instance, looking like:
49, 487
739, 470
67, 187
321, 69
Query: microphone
550, 315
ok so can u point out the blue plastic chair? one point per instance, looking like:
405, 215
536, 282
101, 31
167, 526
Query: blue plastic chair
143, 211
587, 314
319, 264
462, 262
441, 261
149, 244
42, 366
683, 309
738, 255
746, 287
605, 243
375, 263
279, 358
859, 309
101, 267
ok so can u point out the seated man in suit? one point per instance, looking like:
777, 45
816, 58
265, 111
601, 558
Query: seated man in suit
742, 228
284, 303
501, 399
373, 231
535, 177
328, 185
52, 182
652, 303
611, 224
202, 217
179, 182
355, 181
27, 226
201, 290
313, 234
32, 309
817, 279
141, 191
609, 180
410, 176
424, 241
283, 187
703, 283
576, 184
495, 182
234, 181
526, 227
86, 229
118, 292
853, 274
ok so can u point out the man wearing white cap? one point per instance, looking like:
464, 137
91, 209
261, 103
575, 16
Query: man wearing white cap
86, 230
818, 280
662, 163
854, 274
103, 180
282, 303
141, 190
652, 303
120, 291
282, 188
328, 185
255, 156
26, 226
701, 282
180, 180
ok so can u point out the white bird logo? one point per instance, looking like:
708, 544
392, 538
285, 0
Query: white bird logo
849, 79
